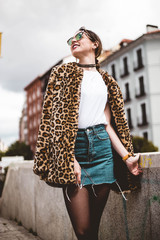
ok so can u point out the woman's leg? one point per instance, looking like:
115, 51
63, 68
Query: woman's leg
79, 210
97, 205
85, 209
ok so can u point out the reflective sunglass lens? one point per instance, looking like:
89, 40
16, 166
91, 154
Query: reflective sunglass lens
70, 41
78, 36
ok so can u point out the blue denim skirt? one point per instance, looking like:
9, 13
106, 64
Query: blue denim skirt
94, 153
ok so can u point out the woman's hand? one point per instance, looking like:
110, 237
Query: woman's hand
132, 164
77, 171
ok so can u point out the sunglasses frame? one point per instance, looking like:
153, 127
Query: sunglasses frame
71, 39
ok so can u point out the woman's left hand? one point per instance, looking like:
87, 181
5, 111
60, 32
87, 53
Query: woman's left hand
132, 164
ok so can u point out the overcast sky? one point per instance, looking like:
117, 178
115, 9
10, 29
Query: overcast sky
35, 34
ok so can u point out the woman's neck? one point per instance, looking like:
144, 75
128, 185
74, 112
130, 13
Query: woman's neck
88, 60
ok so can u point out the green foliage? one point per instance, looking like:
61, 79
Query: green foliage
19, 223
141, 144
5, 171
2, 154
19, 149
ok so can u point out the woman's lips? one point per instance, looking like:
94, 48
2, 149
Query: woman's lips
75, 46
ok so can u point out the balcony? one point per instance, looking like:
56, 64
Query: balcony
142, 93
138, 66
124, 73
143, 122
127, 99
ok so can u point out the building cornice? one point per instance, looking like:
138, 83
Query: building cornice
130, 46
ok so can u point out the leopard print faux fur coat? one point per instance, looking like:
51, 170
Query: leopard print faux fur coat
54, 157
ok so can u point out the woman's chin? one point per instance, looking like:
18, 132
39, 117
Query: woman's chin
76, 54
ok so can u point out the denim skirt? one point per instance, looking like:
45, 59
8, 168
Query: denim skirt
94, 153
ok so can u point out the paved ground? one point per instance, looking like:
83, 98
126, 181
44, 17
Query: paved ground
10, 230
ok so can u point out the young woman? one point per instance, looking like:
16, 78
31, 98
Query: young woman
82, 121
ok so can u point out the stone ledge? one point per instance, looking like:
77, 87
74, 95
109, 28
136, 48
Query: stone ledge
41, 207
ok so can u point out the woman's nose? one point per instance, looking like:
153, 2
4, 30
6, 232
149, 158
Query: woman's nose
74, 40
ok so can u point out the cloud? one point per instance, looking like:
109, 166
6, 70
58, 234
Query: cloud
11, 104
35, 32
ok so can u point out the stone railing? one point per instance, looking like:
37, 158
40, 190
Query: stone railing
41, 208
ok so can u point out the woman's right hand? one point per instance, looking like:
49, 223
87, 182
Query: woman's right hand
132, 164
77, 171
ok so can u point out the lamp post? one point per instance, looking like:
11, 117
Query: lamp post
0, 42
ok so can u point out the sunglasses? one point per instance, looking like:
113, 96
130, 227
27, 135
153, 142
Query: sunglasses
78, 37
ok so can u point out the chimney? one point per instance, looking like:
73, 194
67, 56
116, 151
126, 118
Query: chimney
151, 28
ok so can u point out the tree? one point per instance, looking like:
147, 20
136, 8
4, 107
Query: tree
2, 154
141, 144
20, 149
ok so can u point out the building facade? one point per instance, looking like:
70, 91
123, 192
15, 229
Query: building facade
23, 126
34, 106
34, 100
136, 67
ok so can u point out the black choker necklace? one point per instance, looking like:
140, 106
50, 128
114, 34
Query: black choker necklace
86, 65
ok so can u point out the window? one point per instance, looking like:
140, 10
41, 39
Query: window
125, 67
141, 84
30, 125
35, 137
30, 98
34, 108
139, 63
38, 91
141, 88
127, 93
129, 119
145, 135
144, 115
26, 138
33, 96
113, 71
34, 122
31, 138
30, 111
139, 57
39, 105
25, 124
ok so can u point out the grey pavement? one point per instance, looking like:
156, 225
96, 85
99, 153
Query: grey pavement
11, 230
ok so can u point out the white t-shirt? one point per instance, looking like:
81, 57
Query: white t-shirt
93, 100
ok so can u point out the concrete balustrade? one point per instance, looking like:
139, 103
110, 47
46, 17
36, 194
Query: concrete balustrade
41, 208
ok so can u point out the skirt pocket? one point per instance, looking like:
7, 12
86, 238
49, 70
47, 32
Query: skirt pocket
102, 134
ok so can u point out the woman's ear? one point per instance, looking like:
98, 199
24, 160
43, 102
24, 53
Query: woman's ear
95, 45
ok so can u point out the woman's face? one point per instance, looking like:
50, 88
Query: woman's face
82, 47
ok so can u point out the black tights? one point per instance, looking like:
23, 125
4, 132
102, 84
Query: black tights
85, 209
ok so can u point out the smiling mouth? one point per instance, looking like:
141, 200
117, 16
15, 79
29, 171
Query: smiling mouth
75, 46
